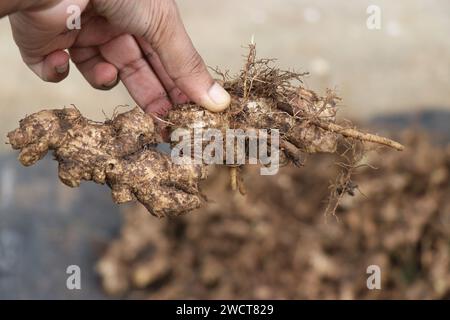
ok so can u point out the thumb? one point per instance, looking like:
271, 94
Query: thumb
184, 64
187, 69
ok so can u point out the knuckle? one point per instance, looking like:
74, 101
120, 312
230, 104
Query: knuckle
192, 66
120, 13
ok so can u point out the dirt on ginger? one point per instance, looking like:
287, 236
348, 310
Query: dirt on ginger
121, 152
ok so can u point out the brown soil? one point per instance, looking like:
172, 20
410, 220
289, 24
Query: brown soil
276, 242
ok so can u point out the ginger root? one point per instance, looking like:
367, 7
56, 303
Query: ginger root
119, 152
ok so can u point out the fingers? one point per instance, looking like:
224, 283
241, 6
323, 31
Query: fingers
96, 31
152, 57
185, 66
53, 68
136, 74
159, 23
96, 70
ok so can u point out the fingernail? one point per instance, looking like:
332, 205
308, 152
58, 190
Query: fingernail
111, 83
62, 69
220, 99
178, 97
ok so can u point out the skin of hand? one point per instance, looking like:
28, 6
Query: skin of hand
142, 43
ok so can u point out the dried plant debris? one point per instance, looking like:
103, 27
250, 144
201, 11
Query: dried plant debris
120, 152
274, 243
264, 97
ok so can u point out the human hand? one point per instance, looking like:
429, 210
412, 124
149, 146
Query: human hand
143, 43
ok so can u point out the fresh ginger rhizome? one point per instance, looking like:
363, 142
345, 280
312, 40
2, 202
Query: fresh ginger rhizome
270, 110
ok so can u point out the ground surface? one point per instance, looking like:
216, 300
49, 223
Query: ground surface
45, 227
276, 243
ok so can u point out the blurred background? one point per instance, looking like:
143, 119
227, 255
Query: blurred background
395, 79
